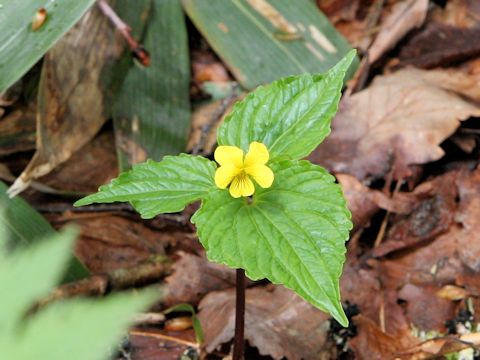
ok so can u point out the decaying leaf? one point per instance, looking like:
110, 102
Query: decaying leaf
193, 277
17, 131
71, 107
277, 322
405, 16
76, 175
112, 242
364, 202
398, 121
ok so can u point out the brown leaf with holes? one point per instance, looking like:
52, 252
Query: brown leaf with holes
71, 100
398, 121
405, 16
432, 215
277, 322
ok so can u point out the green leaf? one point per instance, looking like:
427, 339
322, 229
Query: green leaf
20, 46
293, 233
152, 111
159, 187
30, 273
78, 329
290, 116
53, 333
22, 225
197, 326
263, 40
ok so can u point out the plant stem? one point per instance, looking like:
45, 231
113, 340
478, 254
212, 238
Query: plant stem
239, 340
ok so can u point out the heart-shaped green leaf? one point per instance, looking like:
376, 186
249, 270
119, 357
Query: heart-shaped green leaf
290, 116
293, 233
159, 187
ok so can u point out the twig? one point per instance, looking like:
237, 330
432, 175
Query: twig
239, 340
147, 272
383, 226
137, 49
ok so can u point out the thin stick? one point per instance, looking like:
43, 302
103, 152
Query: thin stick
239, 340
137, 49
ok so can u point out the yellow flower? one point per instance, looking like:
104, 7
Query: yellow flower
235, 169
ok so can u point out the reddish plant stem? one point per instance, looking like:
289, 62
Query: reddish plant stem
137, 49
239, 339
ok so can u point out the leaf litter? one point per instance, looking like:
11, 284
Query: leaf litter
412, 127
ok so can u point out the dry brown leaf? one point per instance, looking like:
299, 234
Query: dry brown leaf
422, 302
277, 322
405, 16
71, 106
364, 202
193, 277
440, 45
372, 343
468, 216
111, 242
432, 215
398, 121
95, 164
17, 131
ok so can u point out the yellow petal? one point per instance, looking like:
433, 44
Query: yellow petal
232, 155
225, 174
262, 174
257, 154
241, 186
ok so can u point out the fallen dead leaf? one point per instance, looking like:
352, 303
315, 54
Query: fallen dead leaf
93, 165
440, 45
364, 202
17, 131
398, 121
71, 106
277, 322
193, 277
372, 343
111, 242
432, 215
152, 344
405, 16
468, 216
422, 302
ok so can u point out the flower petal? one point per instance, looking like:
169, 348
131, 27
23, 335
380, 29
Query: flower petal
225, 155
257, 154
242, 186
225, 174
262, 174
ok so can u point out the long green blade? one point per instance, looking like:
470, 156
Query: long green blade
20, 46
152, 112
262, 40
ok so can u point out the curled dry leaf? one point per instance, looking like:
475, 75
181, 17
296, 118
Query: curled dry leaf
277, 322
398, 121
404, 17
71, 106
